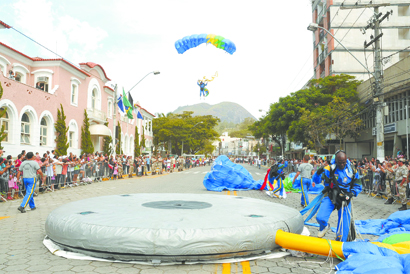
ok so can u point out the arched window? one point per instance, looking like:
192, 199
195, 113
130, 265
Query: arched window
43, 132
94, 99
25, 129
4, 121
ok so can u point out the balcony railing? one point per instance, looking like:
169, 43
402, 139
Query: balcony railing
96, 114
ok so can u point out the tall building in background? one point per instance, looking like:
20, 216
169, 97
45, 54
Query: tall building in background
347, 25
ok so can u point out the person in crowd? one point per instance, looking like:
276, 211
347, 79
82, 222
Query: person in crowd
29, 168
115, 172
400, 177
4, 175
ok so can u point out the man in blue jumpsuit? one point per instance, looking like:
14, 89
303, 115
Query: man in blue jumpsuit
342, 183
279, 177
202, 86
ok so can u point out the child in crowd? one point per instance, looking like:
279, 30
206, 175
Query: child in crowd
115, 173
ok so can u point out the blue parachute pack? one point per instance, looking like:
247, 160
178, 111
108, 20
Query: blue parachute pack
225, 175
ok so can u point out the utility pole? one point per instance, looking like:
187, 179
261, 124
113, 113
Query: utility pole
378, 98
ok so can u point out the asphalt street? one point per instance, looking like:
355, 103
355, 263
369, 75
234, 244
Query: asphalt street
22, 251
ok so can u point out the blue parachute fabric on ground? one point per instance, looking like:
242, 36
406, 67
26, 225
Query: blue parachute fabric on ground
405, 260
369, 226
227, 175
396, 222
366, 258
312, 190
366, 248
357, 261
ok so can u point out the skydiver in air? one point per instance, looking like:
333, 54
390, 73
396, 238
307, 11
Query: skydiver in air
202, 86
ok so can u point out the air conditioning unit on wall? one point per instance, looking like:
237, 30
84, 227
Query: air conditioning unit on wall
42, 79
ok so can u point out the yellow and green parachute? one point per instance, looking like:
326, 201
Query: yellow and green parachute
195, 40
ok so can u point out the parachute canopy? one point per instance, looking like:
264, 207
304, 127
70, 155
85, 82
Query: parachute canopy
195, 40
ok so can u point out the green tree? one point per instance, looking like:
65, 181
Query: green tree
61, 132
316, 131
137, 147
3, 135
118, 148
86, 143
283, 118
195, 132
107, 143
142, 145
344, 119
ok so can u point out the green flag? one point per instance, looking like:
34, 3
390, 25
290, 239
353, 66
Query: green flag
127, 105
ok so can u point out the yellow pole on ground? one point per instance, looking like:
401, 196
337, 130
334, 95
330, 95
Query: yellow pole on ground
309, 244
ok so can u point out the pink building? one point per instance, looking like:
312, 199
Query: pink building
34, 88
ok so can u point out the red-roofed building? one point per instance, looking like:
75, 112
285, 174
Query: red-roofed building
35, 87
4, 25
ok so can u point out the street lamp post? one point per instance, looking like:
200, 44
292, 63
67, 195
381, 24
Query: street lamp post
182, 149
115, 105
379, 111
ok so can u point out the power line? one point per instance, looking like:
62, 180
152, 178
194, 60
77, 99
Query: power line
41, 45
311, 55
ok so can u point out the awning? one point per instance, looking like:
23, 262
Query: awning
100, 130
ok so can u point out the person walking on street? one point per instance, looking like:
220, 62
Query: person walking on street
305, 171
29, 169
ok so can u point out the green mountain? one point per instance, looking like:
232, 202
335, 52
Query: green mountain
226, 111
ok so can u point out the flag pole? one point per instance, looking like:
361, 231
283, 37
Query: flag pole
113, 119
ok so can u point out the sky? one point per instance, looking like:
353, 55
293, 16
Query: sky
131, 38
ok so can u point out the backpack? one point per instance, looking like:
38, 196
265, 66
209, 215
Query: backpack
274, 171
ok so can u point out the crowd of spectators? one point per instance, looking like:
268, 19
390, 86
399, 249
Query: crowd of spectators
60, 172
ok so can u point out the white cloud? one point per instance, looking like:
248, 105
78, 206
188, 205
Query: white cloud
64, 34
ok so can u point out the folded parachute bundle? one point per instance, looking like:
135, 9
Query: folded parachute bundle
230, 176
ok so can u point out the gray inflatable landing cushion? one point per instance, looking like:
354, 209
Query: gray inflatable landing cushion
170, 227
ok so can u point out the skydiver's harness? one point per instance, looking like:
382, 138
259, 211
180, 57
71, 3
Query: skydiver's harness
336, 194
274, 172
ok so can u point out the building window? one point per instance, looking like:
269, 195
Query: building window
25, 129
404, 10
42, 83
4, 121
18, 77
74, 94
71, 138
94, 99
43, 132
109, 111
404, 34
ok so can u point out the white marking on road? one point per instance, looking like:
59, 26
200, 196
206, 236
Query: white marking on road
196, 172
